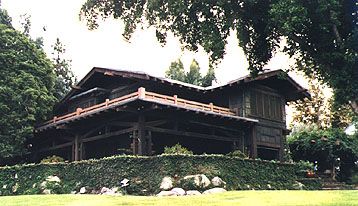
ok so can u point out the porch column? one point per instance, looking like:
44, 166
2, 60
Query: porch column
253, 149
77, 148
142, 143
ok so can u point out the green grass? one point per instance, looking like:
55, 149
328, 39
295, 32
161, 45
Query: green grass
349, 197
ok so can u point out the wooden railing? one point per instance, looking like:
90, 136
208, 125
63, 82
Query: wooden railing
142, 94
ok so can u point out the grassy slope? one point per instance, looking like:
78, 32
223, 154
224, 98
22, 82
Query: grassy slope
228, 198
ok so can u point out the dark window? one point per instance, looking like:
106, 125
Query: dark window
265, 105
267, 153
82, 104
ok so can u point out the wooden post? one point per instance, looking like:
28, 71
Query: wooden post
107, 101
282, 147
78, 111
75, 148
141, 93
211, 106
253, 142
149, 143
134, 144
175, 99
141, 135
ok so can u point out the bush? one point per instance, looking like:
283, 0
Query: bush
52, 159
237, 153
177, 149
330, 147
145, 173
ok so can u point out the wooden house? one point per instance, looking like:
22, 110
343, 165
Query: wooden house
123, 112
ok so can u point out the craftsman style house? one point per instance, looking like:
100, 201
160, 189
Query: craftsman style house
122, 112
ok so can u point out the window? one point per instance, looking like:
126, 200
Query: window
82, 104
265, 105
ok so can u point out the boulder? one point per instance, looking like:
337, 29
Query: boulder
167, 183
83, 190
200, 180
193, 192
178, 191
46, 192
166, 193
214, 190
298, 186
218, 182
105, 190
53, 179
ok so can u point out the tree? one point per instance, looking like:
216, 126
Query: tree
312, 111
62, 67
176, 71
321, 35
26, 89
193, 76
319, 110
331, 148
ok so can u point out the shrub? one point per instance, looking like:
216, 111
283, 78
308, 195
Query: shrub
52, 159
237, 153
177, 149
330, 148
145, 173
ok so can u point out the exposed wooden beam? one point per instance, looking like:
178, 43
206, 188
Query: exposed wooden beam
190, 134
123, 124
60, 146
102, 136
156, 123
215, 126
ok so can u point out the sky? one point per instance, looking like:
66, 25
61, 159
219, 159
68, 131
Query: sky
105, 47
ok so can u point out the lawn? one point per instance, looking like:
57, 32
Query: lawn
228, 198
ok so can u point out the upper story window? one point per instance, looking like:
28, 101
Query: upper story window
266, 105
82, 104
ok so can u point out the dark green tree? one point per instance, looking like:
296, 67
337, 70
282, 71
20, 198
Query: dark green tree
176, 71
321, 35
62, 67
193, 76
26, 89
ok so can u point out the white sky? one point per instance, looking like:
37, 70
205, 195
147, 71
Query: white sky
105, 47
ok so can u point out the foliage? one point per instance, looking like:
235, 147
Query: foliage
25, 21
237, 153
330, 148
52, 159
320, 110
176, 71
145, 173
62, 67
26, 90
5, 18
321, 35
177, 149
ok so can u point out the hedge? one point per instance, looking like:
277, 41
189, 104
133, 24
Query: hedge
146, 173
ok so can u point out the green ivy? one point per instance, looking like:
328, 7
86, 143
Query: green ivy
146, 173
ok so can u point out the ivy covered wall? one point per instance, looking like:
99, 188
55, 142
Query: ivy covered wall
146, 173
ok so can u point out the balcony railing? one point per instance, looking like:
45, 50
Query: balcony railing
145, 95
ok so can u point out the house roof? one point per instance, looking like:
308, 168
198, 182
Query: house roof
276, 79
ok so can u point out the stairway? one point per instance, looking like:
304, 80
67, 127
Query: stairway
330, 184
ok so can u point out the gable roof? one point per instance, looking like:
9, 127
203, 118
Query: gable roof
277, 79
